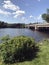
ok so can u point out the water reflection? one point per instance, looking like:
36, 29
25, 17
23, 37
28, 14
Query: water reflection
38, 36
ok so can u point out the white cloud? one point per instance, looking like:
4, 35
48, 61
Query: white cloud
4, 12
9, 5
36, 18
31, 16
16, 9
39, 17
19, 13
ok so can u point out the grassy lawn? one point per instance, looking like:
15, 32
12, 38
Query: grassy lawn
42, 57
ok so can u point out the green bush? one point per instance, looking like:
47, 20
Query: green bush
5, 38
18, 49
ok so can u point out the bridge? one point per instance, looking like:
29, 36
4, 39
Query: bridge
38, 26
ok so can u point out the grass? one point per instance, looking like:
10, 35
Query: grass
42, 59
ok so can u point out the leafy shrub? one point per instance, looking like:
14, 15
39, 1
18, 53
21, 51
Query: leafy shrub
5, 38
18, 49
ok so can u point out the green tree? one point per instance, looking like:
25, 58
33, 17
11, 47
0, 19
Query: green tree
45, 16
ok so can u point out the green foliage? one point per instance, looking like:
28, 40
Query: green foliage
5, 38
41, 59
45, 16
18, 49
14, 25
3, 25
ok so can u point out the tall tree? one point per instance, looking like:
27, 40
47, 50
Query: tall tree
45, 16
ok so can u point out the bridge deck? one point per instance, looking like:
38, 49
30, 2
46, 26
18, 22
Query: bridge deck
37, 26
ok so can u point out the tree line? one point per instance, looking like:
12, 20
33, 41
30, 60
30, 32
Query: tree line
7, 25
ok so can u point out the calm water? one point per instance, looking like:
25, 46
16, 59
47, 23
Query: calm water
38, 36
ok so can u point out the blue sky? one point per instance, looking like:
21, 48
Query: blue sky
22, 11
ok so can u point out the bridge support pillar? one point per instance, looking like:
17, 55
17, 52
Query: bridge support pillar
35, 27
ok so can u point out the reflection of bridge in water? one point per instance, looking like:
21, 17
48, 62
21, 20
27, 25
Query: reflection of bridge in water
38, 26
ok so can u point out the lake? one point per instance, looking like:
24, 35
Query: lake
38, 36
